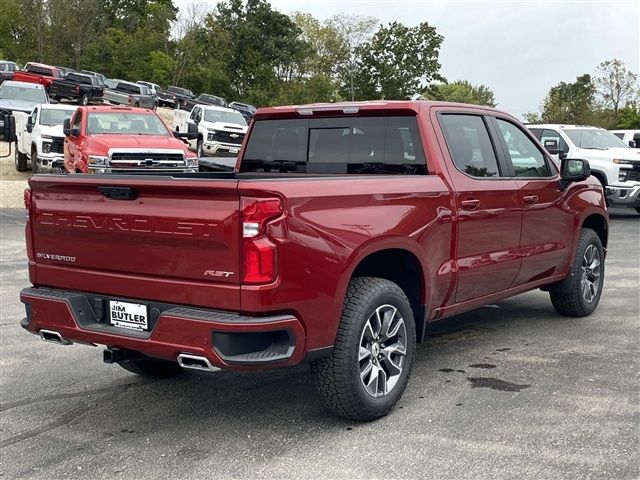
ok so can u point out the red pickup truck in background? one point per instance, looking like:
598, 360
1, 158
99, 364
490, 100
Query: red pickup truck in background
38, 73
344, 231
111, 139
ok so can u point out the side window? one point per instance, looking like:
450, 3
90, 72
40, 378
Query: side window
553, 136
34, 116
619, 135
469, 145
527, 159
536, 132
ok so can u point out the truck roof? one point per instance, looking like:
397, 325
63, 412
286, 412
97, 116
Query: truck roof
115, 108
16, 83
58, 106
561, 126
348, 108
44, 65
215, 107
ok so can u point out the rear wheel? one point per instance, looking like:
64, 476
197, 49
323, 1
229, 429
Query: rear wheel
587, 278
84, 100
151, 367
20, 160
371, 362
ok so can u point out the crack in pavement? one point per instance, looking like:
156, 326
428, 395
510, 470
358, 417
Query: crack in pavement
60, 396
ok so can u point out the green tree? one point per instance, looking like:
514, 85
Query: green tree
615, 85
570, 102
461, 91
398, 62
352, 31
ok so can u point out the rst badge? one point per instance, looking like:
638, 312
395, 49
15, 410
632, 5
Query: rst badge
217, 273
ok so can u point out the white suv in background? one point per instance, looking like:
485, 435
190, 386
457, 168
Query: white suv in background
612, 161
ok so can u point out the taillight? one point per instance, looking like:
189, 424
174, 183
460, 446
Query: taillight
77, 89
259, 253
26, 198
130, 100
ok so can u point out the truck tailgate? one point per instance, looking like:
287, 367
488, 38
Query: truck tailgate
174, 240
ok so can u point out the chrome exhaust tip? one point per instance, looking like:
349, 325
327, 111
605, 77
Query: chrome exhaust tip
195, 362
52, 336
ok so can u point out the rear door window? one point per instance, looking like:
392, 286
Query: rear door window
470, 145
367, 145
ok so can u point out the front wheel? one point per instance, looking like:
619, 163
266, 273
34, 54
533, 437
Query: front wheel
587, 278
371, 362
84, 100
200, 148
34, 161
20, 160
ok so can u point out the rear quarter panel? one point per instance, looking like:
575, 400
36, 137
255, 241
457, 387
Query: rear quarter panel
331, 224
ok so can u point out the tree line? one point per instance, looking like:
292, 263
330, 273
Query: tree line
610, 99
242, 50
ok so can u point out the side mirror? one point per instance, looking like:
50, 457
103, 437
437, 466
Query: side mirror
632, 143
66, 126
192, 128
574, 170
29, 126
551, 146
8, 130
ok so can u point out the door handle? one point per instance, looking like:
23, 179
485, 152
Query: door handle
470, 203
530, 199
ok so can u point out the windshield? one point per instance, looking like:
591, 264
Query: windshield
125, 124
594, 139
225, 117
11, 92
51, 117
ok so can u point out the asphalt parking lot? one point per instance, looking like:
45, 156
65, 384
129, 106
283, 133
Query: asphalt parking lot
508, 391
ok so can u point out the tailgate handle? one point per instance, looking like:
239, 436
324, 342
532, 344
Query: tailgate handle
118, 193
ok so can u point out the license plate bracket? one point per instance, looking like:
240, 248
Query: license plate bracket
132, 316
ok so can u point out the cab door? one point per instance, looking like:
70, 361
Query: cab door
547, 228
71, 143
488, 209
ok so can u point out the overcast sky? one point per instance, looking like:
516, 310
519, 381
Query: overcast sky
517, 48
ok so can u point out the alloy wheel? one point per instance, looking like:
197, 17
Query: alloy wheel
382, 351
590, 279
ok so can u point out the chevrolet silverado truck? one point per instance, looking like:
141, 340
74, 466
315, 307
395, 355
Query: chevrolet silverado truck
108, 139
613, 162
40, 137
79, 87
120, 92
38, 73
342, 233
203, 99
220, 130
19, 97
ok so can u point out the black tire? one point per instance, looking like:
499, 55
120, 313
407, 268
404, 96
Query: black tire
21, 160
152, 368
34, 160
84, 100
199, 148
338, 376
637, 209
576, 303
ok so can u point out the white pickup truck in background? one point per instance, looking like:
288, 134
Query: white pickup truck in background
220, 130
612, 161
40, 137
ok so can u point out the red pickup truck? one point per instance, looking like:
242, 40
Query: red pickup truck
111, 139
344, 231
38, 73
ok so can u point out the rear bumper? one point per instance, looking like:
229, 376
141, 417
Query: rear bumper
227, 340
623, 196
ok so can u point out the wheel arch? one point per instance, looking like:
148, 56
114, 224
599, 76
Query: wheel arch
598, 223
402, 266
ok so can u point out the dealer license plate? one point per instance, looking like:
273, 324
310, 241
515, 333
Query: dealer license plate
233, 150
128, 315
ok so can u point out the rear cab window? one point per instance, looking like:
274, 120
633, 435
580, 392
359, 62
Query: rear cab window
357, 145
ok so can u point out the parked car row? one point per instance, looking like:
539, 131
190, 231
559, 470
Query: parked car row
86, 86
